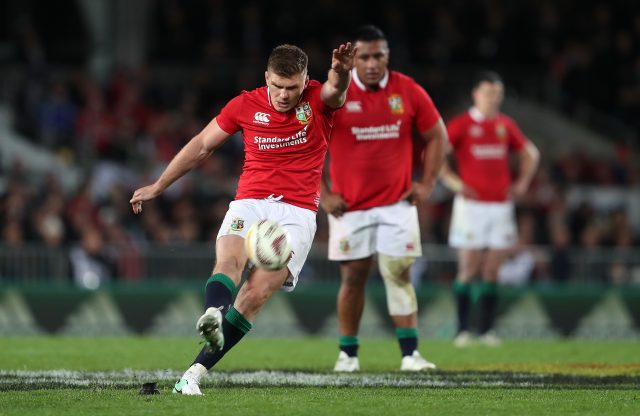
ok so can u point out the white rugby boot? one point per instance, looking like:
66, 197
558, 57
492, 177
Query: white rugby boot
490, 339
463, 339
209, 326
346, 364
416, 362
189, 384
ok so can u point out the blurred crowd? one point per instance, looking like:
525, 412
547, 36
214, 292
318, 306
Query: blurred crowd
121, 131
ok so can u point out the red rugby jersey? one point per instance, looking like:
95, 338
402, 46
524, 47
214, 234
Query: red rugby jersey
284, 152
371, 144
481, 147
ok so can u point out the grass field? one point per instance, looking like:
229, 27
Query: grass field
56, 376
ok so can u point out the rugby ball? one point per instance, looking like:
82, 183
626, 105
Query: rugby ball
268, 245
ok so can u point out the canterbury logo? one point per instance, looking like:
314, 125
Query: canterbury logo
261, 117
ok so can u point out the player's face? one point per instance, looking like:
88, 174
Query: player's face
285, 92
488, 96
372, 59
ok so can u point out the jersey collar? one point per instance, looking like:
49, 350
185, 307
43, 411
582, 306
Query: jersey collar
383, 82
476, 115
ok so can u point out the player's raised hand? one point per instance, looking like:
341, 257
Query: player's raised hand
342, 59
417, 193
141, 195
333, 203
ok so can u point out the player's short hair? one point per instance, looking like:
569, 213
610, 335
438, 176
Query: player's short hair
368, 33
486, 76
287, 60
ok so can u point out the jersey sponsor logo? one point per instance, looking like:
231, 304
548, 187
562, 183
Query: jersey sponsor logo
384, 132
261, 118
410, 246
268, 143
501, 131
303, 113
353, 106
237, 224
476, 131
395, 104
489, 151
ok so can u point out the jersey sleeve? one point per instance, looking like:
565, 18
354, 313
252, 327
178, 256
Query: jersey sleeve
228, 117
455, 128
517, 139
427, 114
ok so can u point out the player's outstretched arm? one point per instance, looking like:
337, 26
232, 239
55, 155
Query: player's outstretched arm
194, 152
334, 90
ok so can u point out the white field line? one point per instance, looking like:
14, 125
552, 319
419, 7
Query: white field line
30, 380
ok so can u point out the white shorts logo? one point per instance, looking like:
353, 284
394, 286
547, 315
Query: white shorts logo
261, 118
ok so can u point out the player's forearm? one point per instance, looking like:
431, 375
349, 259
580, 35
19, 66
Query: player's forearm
187, 158
450, 178
529, 159
335, 88
434, 157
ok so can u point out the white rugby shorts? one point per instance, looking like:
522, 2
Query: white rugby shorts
391, 229
480, 224
300, 223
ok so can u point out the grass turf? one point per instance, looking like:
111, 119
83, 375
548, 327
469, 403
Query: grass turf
525, 377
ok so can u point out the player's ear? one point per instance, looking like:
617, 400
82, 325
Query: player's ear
266, 77
306, 81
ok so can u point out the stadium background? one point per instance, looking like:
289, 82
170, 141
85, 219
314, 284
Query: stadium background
97, 96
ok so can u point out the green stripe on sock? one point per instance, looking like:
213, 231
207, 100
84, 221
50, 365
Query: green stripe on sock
224, 279
236, 319
406, 333
461, 288
488, 288
346, 340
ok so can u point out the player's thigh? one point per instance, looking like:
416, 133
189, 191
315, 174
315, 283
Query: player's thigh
351, 236
469, 263
493, 260
469, 224
354, 273
398, 231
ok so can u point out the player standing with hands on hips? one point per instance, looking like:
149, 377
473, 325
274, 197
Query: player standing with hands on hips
483, 210
285, 126
371, 199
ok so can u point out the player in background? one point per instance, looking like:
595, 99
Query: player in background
483, 225
285, 126
371, 199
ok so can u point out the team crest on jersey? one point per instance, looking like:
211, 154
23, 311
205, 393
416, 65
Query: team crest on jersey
501, 131
303, 113
344, 245
237, 224
395, 103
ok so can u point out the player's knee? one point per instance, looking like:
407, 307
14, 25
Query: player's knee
401, 296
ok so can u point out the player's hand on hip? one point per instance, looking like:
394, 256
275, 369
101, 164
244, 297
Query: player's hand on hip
141, 195
417, 193
468, 192
333, 203
518, 189
343, 58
